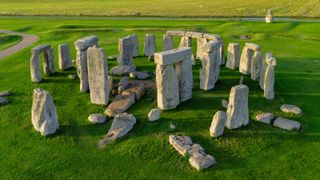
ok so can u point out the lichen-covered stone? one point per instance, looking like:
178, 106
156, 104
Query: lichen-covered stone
269, 78
120, 104
150, 46
245, 61
97, 118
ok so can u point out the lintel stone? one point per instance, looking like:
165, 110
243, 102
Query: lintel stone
172, 56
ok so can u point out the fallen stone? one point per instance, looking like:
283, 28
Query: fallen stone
182, 144
121, 125
5, 93
289, 108
265, 117
269, 18
217, 124
123, 84
151, 58
44, 117
201, 161
224, 103
97, 118
233, 57
3, 101
122, 70
137, 89
286, 124
139, 75
120, 104
154, 114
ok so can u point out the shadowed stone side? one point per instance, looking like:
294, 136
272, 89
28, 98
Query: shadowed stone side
64, 57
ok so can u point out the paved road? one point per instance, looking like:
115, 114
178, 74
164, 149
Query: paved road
27, 40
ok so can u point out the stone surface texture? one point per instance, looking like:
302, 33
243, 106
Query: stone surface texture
233, 56
286, 124
64, 57
150, 46
97, 118
154, 114
290, 108
217, 124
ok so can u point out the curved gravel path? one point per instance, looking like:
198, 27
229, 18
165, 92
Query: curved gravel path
27, 40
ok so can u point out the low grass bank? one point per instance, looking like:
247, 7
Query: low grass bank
257, 151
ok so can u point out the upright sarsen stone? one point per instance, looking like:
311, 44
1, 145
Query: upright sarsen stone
185, 42
185, 78
245, 61
98, 76
64, 57
135, 43
233, 57
43, 115
150, 46
238, 111
256, 65
217, 124
125, 47
167, 43
269, 78
263, 69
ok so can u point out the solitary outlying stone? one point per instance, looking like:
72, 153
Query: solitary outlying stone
289, 108
182, 144
121, 125
154, 114
265, 117
286, 124
120, 104
217, 124
43, 115
97, 118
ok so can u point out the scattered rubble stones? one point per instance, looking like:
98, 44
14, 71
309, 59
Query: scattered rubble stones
286, 124
289, 108
97, 118
154, 114
72, 76
265, 117
136, 89
3, 101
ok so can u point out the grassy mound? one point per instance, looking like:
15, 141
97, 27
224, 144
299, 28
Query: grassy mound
254, 151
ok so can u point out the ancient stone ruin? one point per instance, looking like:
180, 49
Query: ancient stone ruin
269, 17
81, 46
44, 117
174, 85
44, 52
233, 57
150, 46
269, 78
64, 57
250, 53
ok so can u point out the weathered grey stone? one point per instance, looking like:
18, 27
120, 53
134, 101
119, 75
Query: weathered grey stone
176, 33
269, 18
48, 62
154, 114
256, 65
286, 124
172, 56
122, 70
97, 118
167, 43
150, 46
44, 117
64, 57
217, 124
98, 75
290, 108
173, 127
137, 89
245, 61
182, 144
3, 101
167, 87
200, 44
221, 53
185, 78
269, 78
110, 84
121, 125
233, 58
84, 43
185, 42
193, 34
123, 84
82, 70
201, 161
253, 46
120, 104
224, 103
139, 75
213, 37
135, 43
265, 117
125, 48
238, 112
5, 93
264, 66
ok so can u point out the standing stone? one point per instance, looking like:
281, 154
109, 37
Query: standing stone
97, 118
167, 87
200, 43
245, 61
221, 53
43, 115
238, 112
98, 76
264, 66
167, 43
265, 117
256, 65
269, 79
185, 42
135, 43
217, 124
185, 78
233, 58
48, 63
64, 57
35, 69
150, 46
125, 47
82, 70
269, 18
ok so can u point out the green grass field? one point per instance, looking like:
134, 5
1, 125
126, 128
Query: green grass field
8, 40
189, 8
257, 151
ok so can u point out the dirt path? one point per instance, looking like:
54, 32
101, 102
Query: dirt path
27, 40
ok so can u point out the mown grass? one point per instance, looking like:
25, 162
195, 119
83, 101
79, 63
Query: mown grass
8, 40
255, 151
188, 8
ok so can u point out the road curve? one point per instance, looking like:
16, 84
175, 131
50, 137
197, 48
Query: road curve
27, 40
